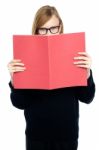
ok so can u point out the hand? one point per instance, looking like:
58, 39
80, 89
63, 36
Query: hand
15, 66
84, 61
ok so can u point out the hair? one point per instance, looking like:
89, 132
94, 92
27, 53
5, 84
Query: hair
43, 15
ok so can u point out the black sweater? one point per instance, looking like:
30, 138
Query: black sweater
52, 114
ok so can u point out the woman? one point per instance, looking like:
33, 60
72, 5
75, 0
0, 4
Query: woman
52, 116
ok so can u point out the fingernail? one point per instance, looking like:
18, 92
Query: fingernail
75, 57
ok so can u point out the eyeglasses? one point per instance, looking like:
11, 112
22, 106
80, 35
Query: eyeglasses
53, 30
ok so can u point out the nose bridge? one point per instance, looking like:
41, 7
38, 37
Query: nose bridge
48, 32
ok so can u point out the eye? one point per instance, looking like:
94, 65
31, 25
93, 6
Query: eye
54, 29
41, 31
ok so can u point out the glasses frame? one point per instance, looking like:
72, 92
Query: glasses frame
48, 29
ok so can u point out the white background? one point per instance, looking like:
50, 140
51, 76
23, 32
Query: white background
16, 17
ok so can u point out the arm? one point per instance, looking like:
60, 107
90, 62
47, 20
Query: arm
86, 93
21, 98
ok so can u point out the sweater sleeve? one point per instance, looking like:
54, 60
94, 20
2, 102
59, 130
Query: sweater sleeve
21, 98
86, 94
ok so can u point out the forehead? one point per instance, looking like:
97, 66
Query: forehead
54, 21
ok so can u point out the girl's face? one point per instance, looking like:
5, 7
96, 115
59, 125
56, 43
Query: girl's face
51, 27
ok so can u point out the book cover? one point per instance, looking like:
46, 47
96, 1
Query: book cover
49, 61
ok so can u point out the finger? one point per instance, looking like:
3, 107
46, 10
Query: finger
83, 53
81, 62
15, 60
15, 69
20, 70
81, 57
83, 66
15, 64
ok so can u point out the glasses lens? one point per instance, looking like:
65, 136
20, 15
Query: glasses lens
54, 29
42, 31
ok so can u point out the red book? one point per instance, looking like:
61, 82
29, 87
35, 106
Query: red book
49, 61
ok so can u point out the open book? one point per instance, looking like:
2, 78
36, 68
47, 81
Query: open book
49, 61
